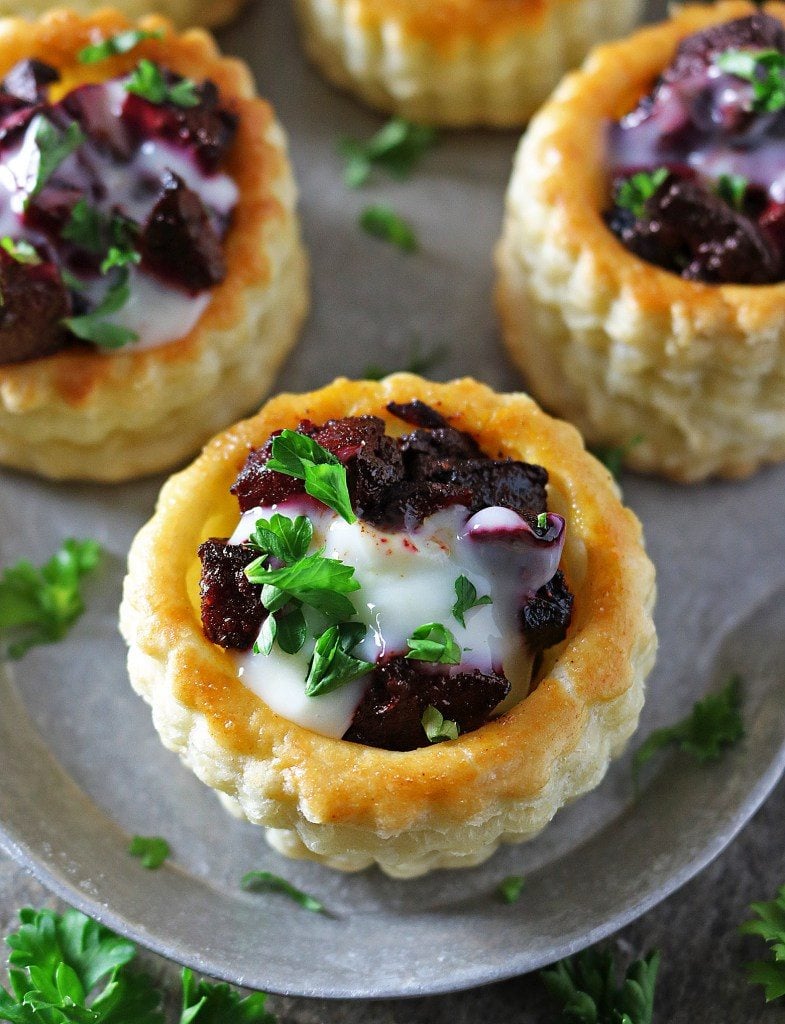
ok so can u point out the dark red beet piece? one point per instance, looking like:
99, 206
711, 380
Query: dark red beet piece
29, 80
546, 617
34, 302
417, 413
697, 52
232, 611
390, 713
179, 243
91, 106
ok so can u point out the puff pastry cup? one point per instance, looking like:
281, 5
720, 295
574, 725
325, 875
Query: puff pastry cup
348, 805
183, 13
84, 414
456, 62
617, 345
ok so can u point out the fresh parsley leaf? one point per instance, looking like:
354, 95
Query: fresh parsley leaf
148, 81
314, 580
21, 251
332, 665
635, 192
732, 189
119, 256
585, 986
208, 1003
510, 888
266, 639
466, 598
151, 850
94, 326
542, 521
437, 727
256, 881
325, 478
121, 42
434, 642
613, 456
418, 361
292, 631
85, 227
39, 606
285, 539
771, 927
715, 723
764, 69
384, 223
397, 148
53, 147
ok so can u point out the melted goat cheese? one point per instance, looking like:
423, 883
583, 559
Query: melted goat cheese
407, 580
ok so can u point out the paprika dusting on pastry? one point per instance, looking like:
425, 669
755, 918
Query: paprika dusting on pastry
374, 583
112, 204
698, 167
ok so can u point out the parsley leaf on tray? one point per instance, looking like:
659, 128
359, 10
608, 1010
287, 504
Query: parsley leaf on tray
397, 148
613, 456
510, 888
265, 881
585, 986
39, 606
151, 850
714, 724
770, 926
384, 223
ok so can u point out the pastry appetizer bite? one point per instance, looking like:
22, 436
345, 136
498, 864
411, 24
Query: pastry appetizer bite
394, 622
151, 270
456, 62
642, 263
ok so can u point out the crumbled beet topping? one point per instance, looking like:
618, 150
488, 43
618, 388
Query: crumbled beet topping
394, 484
713, 208
102, 173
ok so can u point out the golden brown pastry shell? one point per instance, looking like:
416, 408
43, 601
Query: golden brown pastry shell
351, 804
82, 414
619, 346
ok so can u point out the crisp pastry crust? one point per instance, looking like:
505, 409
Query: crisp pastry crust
456, 62
348, 805
81, 414
183, 13
619, 346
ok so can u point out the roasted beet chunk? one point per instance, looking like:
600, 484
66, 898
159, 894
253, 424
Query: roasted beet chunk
34, 304
178, 241
390, 713
29, 80
232, 610
373, 461
256, 485
696, 52
93, 107
417, 413
545, 618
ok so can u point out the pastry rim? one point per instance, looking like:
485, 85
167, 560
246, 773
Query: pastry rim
205, 711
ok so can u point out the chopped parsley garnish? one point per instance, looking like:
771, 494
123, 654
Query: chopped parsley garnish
732, 189
714, 724
319, 582
434, 642
384, 223
585, 987
764, 70
85, 227
207, 1003
265, 881
325, 478
771, 927
542, 521
151, 850
94, 326
283, 538
396, 148
466, 598
635, 192
148, 81
121, 42
39, 606
437, 727
21, 251
53, 147
332, 665
510, 888
416, 362
613, 456
119, 256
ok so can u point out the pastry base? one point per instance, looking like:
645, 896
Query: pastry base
618, 346
182, 13
456, 62
347, 805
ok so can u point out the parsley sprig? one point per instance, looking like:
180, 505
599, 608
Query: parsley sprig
396, 148
770, 925
466, 598
714, 724
633, 193
151, 850
437, 727
765, 70
585, 986
265, 881
434, 642
39, 606
300, 456
53, 145
121, 42
332, 664
148, 81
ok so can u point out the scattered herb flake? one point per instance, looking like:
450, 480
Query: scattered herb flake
148, 81
542, 521
437, 727
771, 927
53, 147
764, 69
21, 251
94, 326
119, 256
714, 724
510, 888
466, 598
85, 227
151, 850
265, 881
285, 539
635, 192
121, 42
384, 223
434, 642
732, 189
396, 148
585, 987
332, 665
325, 478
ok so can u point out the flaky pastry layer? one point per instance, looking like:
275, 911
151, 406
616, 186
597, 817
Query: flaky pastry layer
348, 805
616, 345
456, 62
83, 414
183, 13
